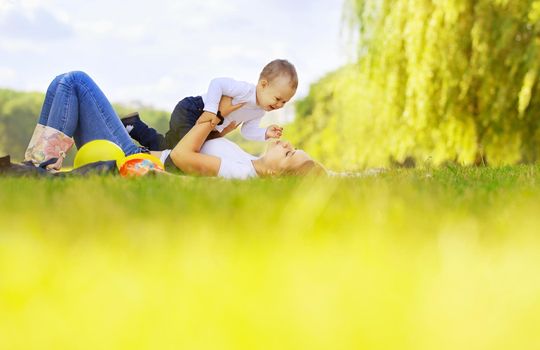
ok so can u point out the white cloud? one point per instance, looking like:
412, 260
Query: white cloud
163, 50
32, 24
7, 75
161, 87
15, 46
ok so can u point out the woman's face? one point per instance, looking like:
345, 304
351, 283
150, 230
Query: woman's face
281, 156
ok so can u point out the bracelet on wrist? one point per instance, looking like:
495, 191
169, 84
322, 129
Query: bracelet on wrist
221, 119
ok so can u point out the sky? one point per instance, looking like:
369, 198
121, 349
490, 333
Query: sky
157, 52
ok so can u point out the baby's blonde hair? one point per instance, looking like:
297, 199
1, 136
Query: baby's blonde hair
280, 67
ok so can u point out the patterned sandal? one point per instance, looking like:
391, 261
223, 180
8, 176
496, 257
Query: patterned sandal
48, 148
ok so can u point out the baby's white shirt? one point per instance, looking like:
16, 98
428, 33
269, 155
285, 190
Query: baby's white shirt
249, 115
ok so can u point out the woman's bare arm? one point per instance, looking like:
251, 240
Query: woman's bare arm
186, 154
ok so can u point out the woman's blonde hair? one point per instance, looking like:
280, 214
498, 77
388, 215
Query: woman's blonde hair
307, 168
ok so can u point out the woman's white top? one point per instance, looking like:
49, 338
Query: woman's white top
235, 162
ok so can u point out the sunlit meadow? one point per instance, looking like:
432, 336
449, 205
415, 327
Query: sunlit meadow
407, 259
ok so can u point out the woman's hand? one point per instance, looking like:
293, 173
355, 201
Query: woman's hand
207, 117
226, 107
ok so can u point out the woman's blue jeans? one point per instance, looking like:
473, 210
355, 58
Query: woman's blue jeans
76, 106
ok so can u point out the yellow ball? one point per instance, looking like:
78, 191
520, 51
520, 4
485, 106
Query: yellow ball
97, 150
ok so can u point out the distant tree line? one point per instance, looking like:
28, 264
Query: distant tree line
19, 113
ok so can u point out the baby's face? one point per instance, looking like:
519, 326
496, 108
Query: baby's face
274, 94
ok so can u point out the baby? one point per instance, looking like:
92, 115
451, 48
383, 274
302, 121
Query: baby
276, 86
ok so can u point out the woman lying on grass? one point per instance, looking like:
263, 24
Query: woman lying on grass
75, 110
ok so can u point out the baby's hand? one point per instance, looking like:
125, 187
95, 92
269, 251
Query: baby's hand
273, 132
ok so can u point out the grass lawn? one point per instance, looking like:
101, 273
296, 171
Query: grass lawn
410, 259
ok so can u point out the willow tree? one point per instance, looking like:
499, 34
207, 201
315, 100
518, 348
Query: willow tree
445, 80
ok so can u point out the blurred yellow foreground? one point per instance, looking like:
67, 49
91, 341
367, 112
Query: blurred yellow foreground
406, 260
